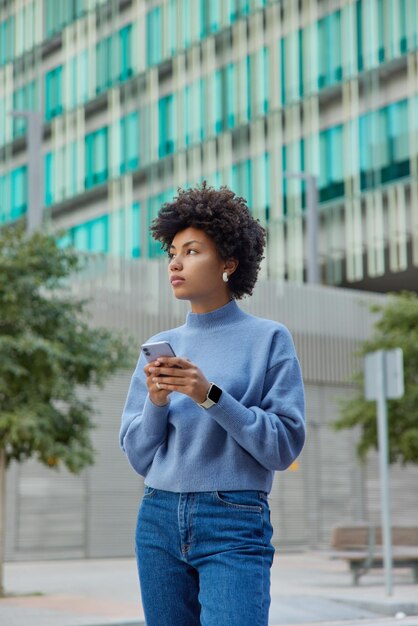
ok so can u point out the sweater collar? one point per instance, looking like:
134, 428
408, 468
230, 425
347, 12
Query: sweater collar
227, 314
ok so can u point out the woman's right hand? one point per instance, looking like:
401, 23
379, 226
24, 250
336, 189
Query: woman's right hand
159, 397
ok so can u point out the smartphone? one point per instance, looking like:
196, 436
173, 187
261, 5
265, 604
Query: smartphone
153, 350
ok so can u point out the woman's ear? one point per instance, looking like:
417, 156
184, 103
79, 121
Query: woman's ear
230, 266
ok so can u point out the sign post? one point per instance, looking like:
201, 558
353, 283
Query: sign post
383, 379
35, 168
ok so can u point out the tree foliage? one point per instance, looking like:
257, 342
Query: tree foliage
397, 327
48, 352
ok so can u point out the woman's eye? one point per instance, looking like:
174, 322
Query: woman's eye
191, 251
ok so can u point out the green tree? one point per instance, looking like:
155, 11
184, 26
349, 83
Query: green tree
397, 327
48, 351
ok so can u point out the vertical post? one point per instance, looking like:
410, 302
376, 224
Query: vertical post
2, 515
35, 171
35, 168
312, 229
312, 273
382, 428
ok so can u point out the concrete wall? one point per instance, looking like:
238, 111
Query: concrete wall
53, 514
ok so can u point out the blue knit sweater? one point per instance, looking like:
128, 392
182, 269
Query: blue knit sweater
257, 426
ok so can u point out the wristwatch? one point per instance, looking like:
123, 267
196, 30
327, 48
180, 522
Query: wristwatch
212, 396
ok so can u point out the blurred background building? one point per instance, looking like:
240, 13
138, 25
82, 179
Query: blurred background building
139, 97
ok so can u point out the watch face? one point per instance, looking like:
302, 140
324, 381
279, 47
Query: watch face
214, 393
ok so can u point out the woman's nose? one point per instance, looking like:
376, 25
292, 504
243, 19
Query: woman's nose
175, 263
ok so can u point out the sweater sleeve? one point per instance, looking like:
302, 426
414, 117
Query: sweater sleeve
144, 424
273, 433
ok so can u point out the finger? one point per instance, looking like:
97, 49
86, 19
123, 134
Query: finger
176, 382
174, 361
171, 371
149, 367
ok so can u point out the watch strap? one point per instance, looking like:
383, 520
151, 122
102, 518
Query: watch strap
212, 396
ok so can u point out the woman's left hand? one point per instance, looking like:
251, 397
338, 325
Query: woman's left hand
177, 374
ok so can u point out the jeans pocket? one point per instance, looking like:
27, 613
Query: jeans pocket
240, 500
149, 491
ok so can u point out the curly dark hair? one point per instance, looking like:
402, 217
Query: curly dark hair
226, 219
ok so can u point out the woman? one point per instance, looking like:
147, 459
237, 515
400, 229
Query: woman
207, 428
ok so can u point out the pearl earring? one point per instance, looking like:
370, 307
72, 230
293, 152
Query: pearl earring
225, 277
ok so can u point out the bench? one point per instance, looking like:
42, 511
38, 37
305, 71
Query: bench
361, 546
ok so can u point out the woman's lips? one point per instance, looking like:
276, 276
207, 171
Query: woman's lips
176, 280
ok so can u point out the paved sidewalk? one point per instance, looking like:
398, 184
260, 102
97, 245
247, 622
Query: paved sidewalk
306, 588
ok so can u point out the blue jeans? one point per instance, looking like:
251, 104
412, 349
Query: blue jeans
204, 558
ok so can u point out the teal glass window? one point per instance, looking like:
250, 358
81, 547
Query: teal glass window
384, 145
73, 164
59, 14
381, 9
154, 36
107, 72
267, 186
186, 23
238, 8
5, 198
2, 121
173, 30
125, 43
129, 134
214, 15
291, 60
242, 7
394, 125
154, 204
136, 230
359, 23
210, 16
225, 103
104, 64
166, 119
258, 83
91, 236
218, 104
19, 102
7, 40
230, 90
187, 114
96, 146
49, 176
408, 25
19, 192
261, 201
53, 93
24, 99
194, 113
282, 72
331, 180
285, 180
78, 68
329, 39
241, 180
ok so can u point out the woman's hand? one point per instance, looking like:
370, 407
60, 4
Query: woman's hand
158, 395
168, 374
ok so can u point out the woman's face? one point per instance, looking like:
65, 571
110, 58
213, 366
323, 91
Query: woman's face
195, 270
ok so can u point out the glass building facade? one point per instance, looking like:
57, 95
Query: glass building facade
140, 97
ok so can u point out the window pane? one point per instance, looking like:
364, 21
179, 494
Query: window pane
19, 192
53, 93
230, 91
125, 52
166, 125
136, 230
154, 47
